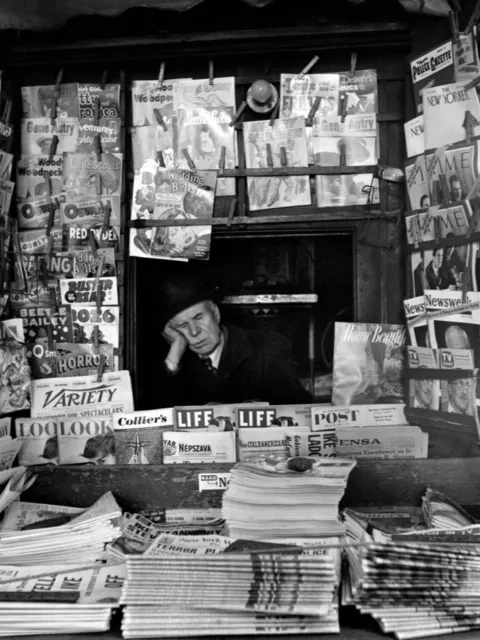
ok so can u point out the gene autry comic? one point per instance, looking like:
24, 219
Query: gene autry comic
37, 135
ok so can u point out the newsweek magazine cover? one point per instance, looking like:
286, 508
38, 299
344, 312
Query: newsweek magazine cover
86, 441
82, 359
36, 213
86, 263
147, 142
108, 97
465, 57
37, 102
39, 441
80, 171
453, 175
360, 90
432, 68
298, 93
347, 190
139, 436
276, 191
368, 361
109, 130
415, 136
31, 171
86, 318
198, 447
423, 393
352, 142
56, 326
14, 376
148, 95
444, 108
82, 397
416, 179
84, 291
36, 135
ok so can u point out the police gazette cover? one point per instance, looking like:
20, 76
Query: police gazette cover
139, 436
82, 397
368, 363
433, 67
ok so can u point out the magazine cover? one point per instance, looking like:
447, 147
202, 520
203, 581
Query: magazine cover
34, 241
282, 415
347, 190
453, 174
382, 443
444, 108
219, 417
433, 67
455, 220
6, 192
37, 102
353, 142
414, 136
39, 441
92, 208
36, 213
85, 319
86, 440
423, 393
420, 227
84, 174
465, 57
14, 376
195, 447
360, 90
37, 266
147, 142
456, 330
281, 191
82, 359
181, 195
362, 415
416, 179
83, 397
148, 95
139, 436
443, 268
31, 172
108, 97
368, 362
253, 443
56, 326
86, 263
37, 134
298, 93
6, 137
84, 291
36, 296
458, 395
42, 357
109, 130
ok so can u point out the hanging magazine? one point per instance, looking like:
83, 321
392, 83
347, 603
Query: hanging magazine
432, 68
148, 95
147, 142
414, 136
108, 100
417, 183
352, 142
276, 191
37, 135
453, 174
86, 263
298, 93
14, 376
86, 318
360, 91
36, 213
86, 290
55, 325
37, 102
347, 190
107, 129
86, 175
31, 176
465, 57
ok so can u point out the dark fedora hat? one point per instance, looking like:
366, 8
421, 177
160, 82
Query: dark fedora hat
180, 291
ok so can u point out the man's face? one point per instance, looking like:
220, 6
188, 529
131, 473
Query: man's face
458, 393
456, 338
200, 325
456, 191
424, 391
438, 258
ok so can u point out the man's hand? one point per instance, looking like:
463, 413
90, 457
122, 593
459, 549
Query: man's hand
178, 344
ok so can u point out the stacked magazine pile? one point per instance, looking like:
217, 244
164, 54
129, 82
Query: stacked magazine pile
296, 498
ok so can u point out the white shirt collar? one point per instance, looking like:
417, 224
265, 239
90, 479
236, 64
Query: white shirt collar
217, 354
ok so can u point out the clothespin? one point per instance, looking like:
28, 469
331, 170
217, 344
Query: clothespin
313, 111
53, 300
438, 229
103, 80
231, 211
343, 107
465, 286
96, 112
210, 72
306, 69
53, 147
7, 111
43, 269
56, 94
472, 227
274, 114
160, 120
283, 157
343, 155
353, 63
453, 17
444, 187
240, 110
468, 126
190, 162
160, 159
92, 242
101, 367
221, 162
107, 209
269, 155
98, 147
2, 262
95, 337
161, 73
416, 230
98, 290
98, 184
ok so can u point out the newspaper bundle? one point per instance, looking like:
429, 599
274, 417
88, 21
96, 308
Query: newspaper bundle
139, 436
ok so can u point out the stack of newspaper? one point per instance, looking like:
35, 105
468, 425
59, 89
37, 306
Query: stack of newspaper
296, 498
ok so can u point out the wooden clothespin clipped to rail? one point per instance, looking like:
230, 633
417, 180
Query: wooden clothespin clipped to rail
269, 156
416, 230
161, 73
43, 270
353, 63
343, 107
160, 119
437, 226
468, 124
453, 17
53, 299
313, 111
221, 162
240, 110
98, 139
53, 146
93, 243
103, 79
160, 160
7, 112
231, 212
101, 366
56, 95
311, 64
211, 72
283, 157
275, 114
190, 162
98, 184
2, 263
107, 210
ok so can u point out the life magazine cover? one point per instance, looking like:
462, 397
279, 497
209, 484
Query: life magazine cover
85, 319
55, 326
432, 68
37, 134
31, 176
368, 363
280, 191
84, 174
347, 190
453, 173
108, 99
148, 95
414, 136
444, 108
352, 143
82, 397
86, 440
360, 91
298, 93
39, 441
139, 436
182, 195
37, 102
109, 131
298, 415
85, 291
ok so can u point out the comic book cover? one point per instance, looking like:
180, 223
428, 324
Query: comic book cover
368, 363
45, 322
347, 190
37, 240
14, 376
94, 208
298, 93
75, 359
465, 57
139, 436
36, 213
444, 108
360, 90
83, 396
37, 134
6, 165
84, 291
31, 172
148, 95
39, 441
108, 97
201, 126
36, 296
147, 142
109, 130
423, 393
86, 440
82, 218
414, 136
37, 102
282, 191
432, 68
38, 266
86, 263
416, 178
85, 175
352, 142
85, 319
42, 357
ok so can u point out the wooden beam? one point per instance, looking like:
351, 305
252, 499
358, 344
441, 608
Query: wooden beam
296, 171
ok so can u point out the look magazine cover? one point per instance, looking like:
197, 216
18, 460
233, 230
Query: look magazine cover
368, 363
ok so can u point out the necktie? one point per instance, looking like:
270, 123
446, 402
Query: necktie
208, 363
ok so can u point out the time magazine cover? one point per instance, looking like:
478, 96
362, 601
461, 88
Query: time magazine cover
31, 170
37, 134
360, 90
347, 190
298, 93
276, 191
139, 436
37, 102
109, 130
85, 291
86, 441
453, 174
147, 142
85, 319
39, 441
353, 142
368, 363
86, 264
108, 97
414, 136
417, 183
84, 174
36, 213
433, 67
148, 95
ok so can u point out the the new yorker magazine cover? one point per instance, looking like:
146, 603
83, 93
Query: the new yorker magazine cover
298, 93
276, 191
352, 142
368, 363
